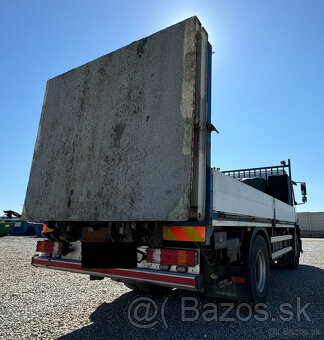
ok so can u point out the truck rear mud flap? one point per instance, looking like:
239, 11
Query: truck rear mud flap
170, 279
228, 283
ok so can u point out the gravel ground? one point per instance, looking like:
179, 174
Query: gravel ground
46, 304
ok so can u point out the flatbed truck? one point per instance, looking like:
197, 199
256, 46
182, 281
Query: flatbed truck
223, 230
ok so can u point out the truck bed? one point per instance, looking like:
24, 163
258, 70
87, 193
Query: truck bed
236, 198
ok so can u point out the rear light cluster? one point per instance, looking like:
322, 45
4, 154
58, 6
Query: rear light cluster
49, 247
186, 258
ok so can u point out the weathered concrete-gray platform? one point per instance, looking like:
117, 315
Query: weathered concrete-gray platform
115, 136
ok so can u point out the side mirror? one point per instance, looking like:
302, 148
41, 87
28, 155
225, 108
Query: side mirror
303, 191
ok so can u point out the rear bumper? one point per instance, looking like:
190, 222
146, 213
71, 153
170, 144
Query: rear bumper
170, 279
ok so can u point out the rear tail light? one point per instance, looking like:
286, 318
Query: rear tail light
171, 257
49, 247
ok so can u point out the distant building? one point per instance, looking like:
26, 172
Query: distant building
311, 223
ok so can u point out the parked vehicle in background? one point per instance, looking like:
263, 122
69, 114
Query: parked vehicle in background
5, 226
19, 227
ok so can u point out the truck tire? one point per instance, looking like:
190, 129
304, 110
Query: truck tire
294, 261
291, 260
148, 288
259, 271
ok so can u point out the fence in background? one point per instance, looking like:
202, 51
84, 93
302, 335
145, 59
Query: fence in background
311, 223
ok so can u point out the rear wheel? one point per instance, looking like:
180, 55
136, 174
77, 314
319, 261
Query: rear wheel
259, 271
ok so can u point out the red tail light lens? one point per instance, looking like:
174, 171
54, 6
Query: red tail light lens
177, 257
49, 247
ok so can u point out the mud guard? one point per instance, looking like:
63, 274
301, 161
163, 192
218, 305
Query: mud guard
227, 282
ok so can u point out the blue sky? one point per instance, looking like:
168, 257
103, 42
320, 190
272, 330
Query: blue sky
268, 76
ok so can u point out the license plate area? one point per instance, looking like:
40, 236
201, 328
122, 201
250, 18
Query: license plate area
108, 255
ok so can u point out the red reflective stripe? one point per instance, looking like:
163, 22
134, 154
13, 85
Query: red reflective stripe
201, 231
118, 272
185, 233
179, 233
238, 279
57, 264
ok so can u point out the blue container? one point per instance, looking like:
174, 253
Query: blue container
38, 229
22, 228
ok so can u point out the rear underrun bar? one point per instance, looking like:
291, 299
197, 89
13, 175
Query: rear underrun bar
176, 280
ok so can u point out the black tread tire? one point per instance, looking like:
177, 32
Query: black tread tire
291, 260
259, 245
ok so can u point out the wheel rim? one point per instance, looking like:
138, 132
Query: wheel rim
260, 271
